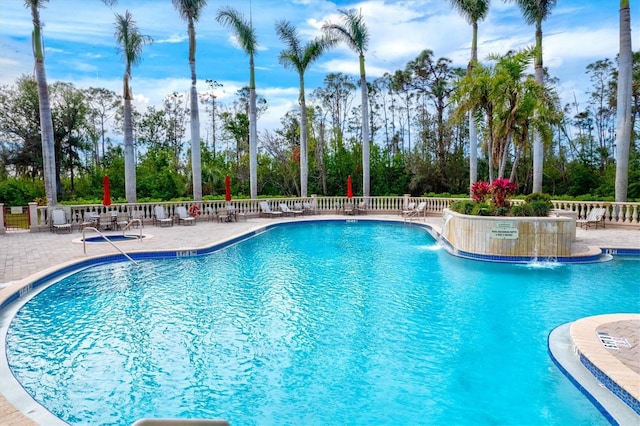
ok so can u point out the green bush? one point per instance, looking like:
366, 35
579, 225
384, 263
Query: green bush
482, 209
540, 203
462, 207
20, 192
540, 208
522, 210
502, 211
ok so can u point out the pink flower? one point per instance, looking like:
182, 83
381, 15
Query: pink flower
479, 191
500, 189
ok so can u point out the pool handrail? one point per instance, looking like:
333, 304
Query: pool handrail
131, 222
84, 243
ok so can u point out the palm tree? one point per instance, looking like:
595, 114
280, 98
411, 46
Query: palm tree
190, 11
623, 128
534, 12
353, 32
299, 57
130, 43
473, 11
46, 121
246, 36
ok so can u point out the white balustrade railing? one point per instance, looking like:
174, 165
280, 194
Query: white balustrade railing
619, 214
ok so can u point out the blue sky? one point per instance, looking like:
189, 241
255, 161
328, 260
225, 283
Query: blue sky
80, 46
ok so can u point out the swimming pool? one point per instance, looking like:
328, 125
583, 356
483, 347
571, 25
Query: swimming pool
112, 238
328, 323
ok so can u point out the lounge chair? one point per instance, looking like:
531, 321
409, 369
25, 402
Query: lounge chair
349, 209
362, 208
595, 217
59, 221
308, 208
417, 212
288, 212
160, 217
184, 217
106, 221
410, 207
90, 219
122, 220
265, 210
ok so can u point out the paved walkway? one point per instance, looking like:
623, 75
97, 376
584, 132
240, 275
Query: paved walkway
25, 256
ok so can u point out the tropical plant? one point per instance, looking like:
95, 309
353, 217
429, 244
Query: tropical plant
46, 122
354, 33
623, 125
130, 43
190, 11
534, 12
299, 57
499, 190
479, 191
473, 11
246, 36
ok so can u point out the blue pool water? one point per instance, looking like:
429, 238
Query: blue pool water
112, 238
324, 323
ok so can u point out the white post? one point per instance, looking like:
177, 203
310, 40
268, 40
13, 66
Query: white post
2, 227
33, 217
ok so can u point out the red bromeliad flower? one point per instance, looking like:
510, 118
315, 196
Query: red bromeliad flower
500, 189
479, 191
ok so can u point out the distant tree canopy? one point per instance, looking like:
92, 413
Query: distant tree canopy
419, 137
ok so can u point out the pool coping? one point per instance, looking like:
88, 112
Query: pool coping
26, 286
575, 349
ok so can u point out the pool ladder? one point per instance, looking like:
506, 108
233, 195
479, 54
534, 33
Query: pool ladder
90, 228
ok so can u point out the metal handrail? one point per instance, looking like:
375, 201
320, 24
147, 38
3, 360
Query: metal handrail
131, 222
84, 243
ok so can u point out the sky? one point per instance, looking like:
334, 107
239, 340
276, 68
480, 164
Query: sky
80, 47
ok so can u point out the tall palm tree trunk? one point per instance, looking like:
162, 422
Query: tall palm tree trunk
538, 149
366, 179
304, 167
253, 133
129, 155
46, 121
473, 132
623, 125
196, 165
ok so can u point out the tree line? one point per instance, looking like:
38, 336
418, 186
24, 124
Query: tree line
420, 126
420, 139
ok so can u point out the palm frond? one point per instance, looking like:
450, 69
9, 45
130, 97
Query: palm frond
244, 31
189, 9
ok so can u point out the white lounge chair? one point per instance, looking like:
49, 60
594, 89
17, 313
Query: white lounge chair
184, 217
410, 207
595, 217
417, 212
308, 208
349, 209
122, 220
265, 210
289, 212
161, 218
59, 221
362, 208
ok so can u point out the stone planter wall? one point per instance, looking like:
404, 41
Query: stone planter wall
522, 237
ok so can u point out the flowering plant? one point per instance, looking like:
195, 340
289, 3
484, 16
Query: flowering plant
479, 191
500, 189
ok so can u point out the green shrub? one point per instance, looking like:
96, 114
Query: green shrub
502, 211
482, 209
522, 210
462, 207
540, 208
540, 203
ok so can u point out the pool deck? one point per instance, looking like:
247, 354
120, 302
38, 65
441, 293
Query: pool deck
26, 256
